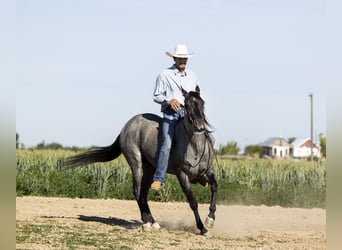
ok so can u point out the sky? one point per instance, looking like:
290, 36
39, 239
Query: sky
85, 67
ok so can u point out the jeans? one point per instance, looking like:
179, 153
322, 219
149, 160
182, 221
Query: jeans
170, 120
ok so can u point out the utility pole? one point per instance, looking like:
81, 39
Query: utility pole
311, 124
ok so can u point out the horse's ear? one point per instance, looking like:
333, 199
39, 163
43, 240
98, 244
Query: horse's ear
184, 92
198, 89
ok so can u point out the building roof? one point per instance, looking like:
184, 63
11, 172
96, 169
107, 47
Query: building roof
301, 143
275, 141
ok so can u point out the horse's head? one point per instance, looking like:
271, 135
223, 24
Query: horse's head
194, 110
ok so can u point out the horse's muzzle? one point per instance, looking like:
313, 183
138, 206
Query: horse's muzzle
199, 126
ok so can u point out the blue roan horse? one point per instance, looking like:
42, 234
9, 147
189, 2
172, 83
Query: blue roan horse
190, 159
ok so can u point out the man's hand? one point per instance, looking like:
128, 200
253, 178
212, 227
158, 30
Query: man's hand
175, 105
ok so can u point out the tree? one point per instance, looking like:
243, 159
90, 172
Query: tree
53, 145
16, 140
323, 144
291, 139
252, 150
41, 145
230, 149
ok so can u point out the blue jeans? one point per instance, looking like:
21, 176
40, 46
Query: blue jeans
170, 120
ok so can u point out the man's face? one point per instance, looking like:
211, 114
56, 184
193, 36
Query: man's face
180, 63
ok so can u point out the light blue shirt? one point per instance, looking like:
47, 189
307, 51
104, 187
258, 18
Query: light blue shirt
169, 85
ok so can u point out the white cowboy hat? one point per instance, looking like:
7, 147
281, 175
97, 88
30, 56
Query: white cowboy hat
181, 51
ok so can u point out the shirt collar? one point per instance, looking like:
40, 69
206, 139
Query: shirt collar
176, 71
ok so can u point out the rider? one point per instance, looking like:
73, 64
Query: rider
168, 93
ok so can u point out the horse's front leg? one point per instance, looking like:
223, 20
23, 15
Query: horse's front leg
185, 184
209, 221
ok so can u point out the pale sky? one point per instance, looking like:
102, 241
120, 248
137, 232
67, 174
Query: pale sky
85, 67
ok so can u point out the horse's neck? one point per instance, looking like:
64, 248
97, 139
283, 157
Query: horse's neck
187, 139
182, 133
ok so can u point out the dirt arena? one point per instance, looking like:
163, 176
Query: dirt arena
115, 224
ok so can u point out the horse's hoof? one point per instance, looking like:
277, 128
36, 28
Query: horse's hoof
207, 233
209, 222
147, 227
155, 226
204, 232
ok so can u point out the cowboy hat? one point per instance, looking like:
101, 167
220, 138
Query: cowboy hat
181, 51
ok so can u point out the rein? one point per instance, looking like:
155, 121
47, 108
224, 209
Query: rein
207, 140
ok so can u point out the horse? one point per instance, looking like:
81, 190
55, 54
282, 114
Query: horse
190, 158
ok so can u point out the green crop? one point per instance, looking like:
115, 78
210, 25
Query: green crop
297, 183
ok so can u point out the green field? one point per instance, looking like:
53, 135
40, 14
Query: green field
286, 183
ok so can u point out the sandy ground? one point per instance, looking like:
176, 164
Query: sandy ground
236, 227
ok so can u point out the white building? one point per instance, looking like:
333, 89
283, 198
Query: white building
301, 148
276, 147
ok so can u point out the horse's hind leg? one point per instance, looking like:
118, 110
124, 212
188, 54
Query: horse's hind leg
146, 181
139, 180
142, 173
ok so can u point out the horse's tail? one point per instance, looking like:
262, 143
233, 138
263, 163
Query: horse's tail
98, 154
